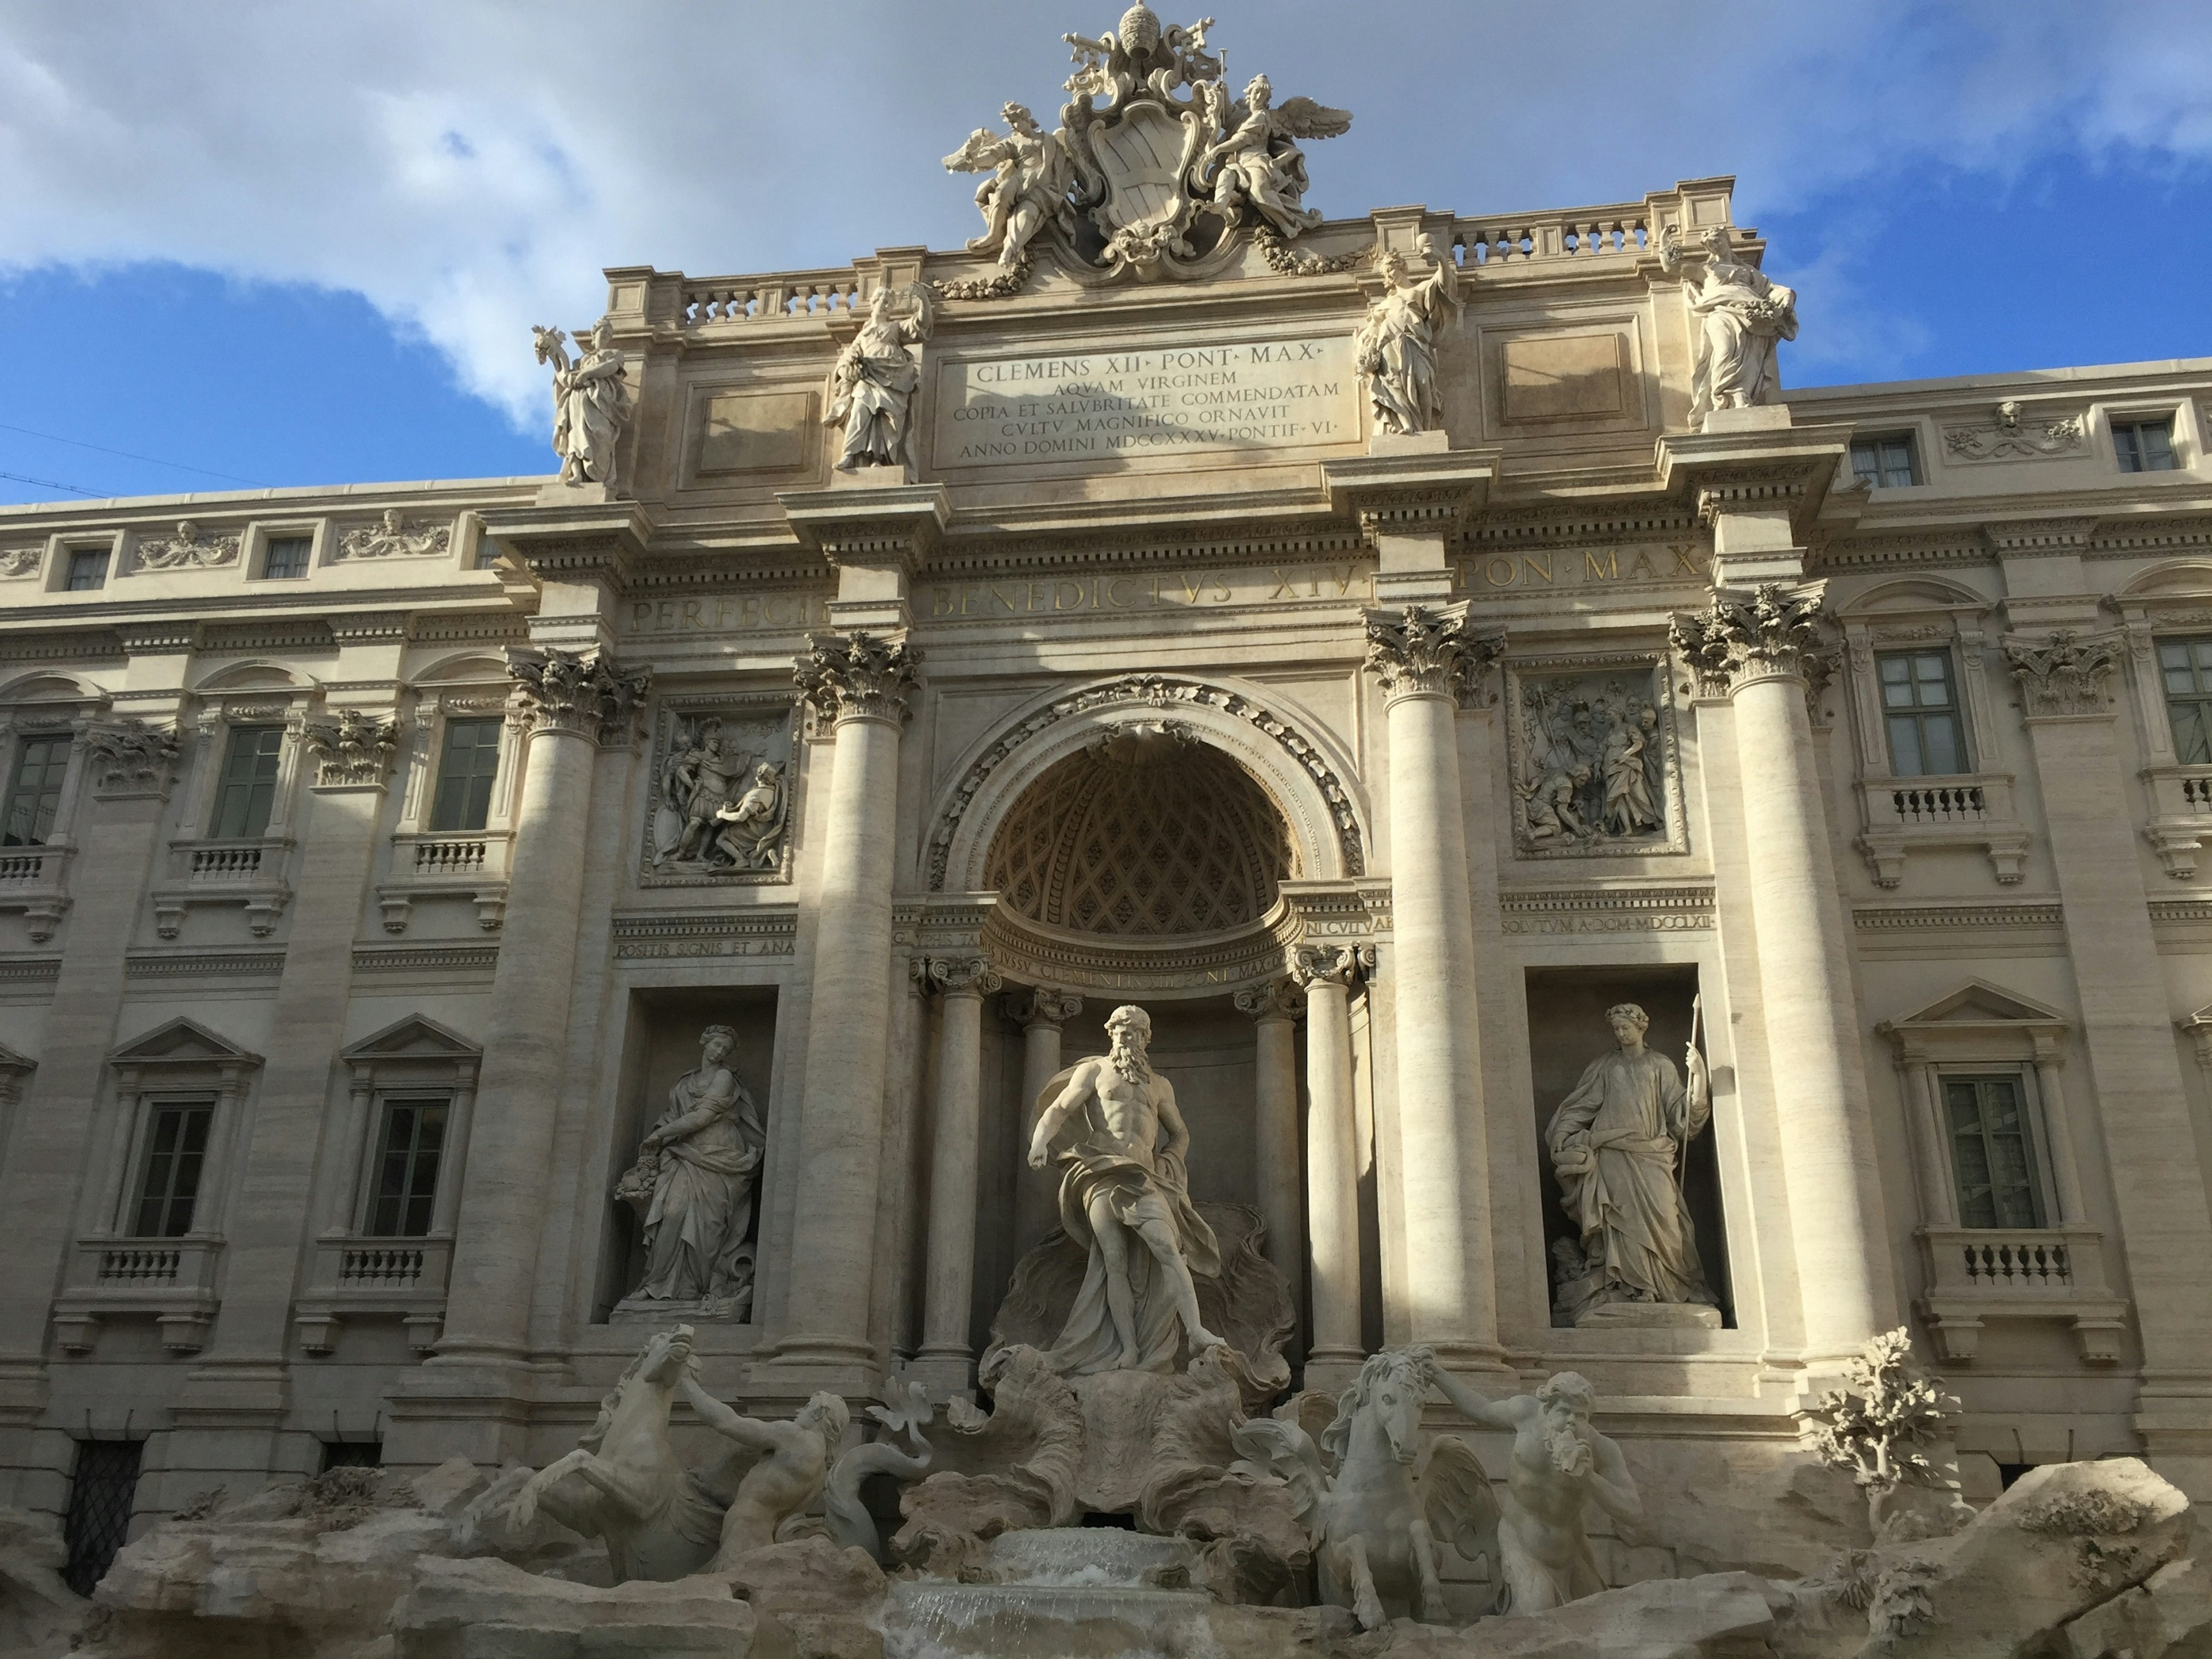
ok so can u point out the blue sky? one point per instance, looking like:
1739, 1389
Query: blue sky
295, 245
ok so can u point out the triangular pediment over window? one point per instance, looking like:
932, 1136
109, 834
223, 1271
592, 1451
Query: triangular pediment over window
182, 1043
12, 1061
1979, 1003
412, 1038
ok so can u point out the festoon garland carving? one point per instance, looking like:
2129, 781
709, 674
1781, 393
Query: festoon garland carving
1771, 632
1157, 691
857, 676
130, 756
584, 694
2067, 676
1424, 653
353, 749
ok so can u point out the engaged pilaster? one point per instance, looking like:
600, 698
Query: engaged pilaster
1041, 1014
860, 683
946, 1361
1275, 1010
1327, 975
1765, 649
1427, 661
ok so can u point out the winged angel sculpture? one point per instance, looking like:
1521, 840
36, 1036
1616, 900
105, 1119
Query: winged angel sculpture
1153, 151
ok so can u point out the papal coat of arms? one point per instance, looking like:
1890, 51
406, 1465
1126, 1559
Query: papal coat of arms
1154, 165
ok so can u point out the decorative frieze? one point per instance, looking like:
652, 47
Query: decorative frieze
756, 931
187, 549
1771, 632
1424, 652
1673, 909
353, 751
130, 757
19, 561
2009, 434
391, 536
2066, 677
471, 960
584, 694
858, 675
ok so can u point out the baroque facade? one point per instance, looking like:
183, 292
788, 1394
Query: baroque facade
1381, 649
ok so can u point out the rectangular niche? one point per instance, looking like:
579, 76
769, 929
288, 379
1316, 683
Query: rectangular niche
1596, 765
660, 1044
713, 819
1567, 1030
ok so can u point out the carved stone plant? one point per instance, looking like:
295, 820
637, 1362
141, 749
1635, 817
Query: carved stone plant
1887, 1430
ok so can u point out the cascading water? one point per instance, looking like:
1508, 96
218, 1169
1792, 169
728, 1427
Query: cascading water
1059, 1593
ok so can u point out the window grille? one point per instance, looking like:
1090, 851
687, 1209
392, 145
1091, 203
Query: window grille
101, 1493
352, 1454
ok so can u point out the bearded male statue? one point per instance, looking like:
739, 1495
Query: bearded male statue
1124, 1195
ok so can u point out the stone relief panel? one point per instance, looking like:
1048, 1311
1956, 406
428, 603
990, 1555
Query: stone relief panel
393, 536
723, 779
1597, 764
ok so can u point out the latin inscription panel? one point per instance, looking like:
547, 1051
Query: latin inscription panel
1111, 408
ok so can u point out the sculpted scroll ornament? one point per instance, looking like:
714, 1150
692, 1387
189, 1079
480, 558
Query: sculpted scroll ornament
590, 404
391, 537
2067, 676
353, 749
857, 676
1741, 637
187, 549
2010, 436
582, 693
130, 757
1428, 653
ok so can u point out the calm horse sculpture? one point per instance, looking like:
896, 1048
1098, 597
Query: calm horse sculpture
622, 1483
1374, 1525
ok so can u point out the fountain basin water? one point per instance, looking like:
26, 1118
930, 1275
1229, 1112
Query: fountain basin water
1060, 1592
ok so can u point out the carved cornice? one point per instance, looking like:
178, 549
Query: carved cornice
608, 556
1753, 489
1432, 653
1155, 691
1042, 1007
1606, 910
1577, 524
1277, 999
2020, 538
129, 758
353, 751
161, 637
1344, 964
755, 931
963, 976
858, 675
895, 524
1136, 549
2065, 678
368, 627
1398, 511
1771, 632
582, 694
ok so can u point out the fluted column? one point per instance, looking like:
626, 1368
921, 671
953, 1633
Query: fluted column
946, 1359
1040, 1013
860, 683
1761, 647
1332, 1348
569, 704
1275, 1010
1426, 660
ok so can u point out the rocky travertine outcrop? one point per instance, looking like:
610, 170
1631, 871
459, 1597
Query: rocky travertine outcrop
38, 1612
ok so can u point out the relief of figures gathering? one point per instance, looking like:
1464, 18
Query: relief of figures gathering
1592, 766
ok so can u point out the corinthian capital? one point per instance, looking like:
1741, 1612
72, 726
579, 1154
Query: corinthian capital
2066, 675
857, 676
1276, 1000
1771, 632
584, 694
352, 751
1429, 653
130, 757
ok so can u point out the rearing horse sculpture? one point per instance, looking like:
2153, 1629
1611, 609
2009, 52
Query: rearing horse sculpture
1374, 1525
623, 1484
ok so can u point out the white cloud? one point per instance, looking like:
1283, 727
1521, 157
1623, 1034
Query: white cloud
468, 165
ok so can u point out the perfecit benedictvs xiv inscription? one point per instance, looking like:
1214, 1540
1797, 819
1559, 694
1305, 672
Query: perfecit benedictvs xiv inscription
1116, 406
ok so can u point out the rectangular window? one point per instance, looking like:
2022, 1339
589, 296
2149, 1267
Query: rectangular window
103, 1488
34, 794
1887, 462
2144, 446
2185, 667
465, 772
1992, 1157
411, 1137
352, 1454
169, 1178
286, 557
1920, 711
88, 569
248, 790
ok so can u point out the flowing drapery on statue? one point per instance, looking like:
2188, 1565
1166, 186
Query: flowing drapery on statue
1615, 1142
693, 1181
1113, 1124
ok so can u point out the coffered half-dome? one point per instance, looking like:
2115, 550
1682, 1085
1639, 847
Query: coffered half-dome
1146, 833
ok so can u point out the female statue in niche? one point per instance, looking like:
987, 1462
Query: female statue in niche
693, 1187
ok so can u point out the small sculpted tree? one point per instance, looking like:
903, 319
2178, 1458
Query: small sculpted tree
1887, 1429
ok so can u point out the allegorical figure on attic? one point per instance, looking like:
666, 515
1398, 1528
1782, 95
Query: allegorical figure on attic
1396, 346
1028, 189
1741, 314
1125, 1194
871, 386
591, 405
1258, 162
